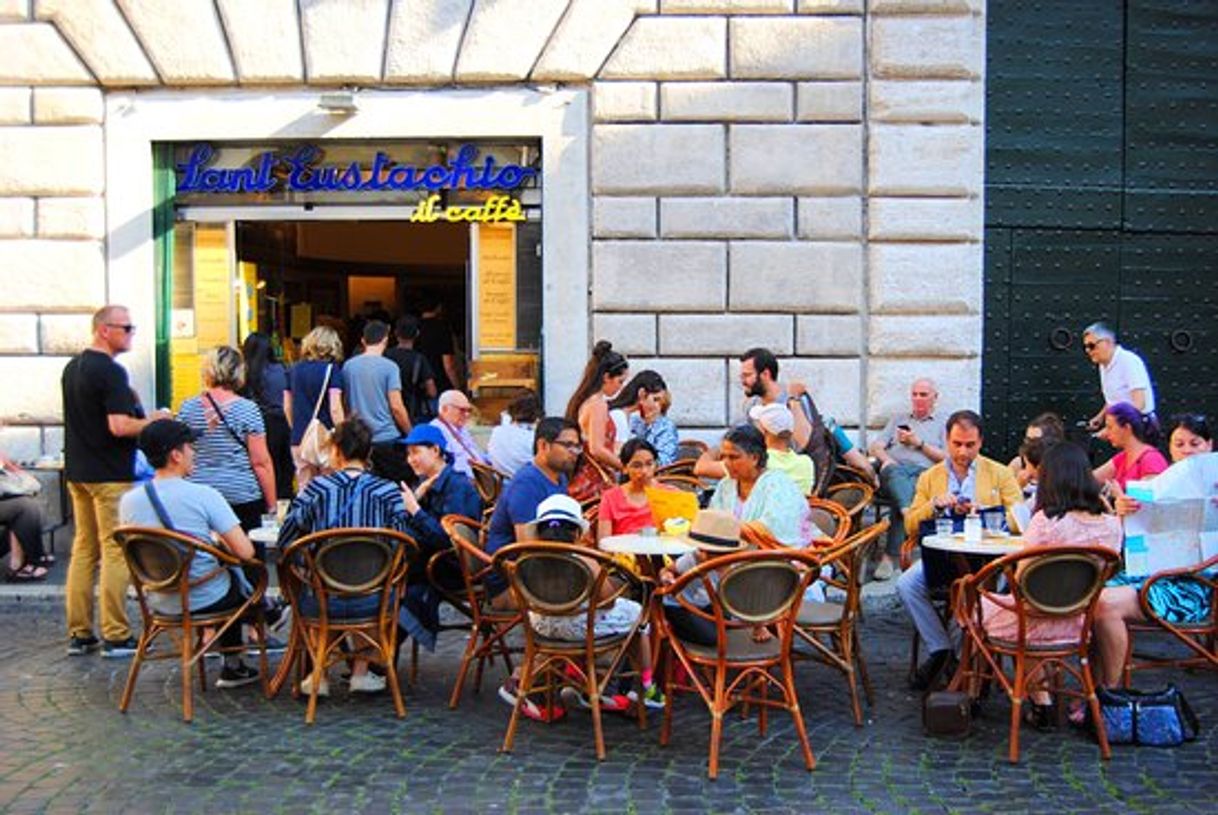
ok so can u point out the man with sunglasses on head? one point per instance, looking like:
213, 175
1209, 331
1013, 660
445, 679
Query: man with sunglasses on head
1123, 375
101, 421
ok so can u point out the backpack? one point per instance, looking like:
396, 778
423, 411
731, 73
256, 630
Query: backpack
821, 447
416, 401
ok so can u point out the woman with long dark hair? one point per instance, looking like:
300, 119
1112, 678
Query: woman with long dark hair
589, 408
1126, 430
266, 379
640, 404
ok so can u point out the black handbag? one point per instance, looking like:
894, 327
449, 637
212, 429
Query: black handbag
1159, 718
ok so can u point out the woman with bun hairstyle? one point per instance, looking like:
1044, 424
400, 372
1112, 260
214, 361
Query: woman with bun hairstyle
589, 408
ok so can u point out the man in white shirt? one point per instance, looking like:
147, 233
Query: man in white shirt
1123, 374
455, 411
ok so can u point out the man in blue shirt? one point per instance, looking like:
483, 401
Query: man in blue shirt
556, 449
374, 392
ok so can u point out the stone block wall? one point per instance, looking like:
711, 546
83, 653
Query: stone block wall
800, 174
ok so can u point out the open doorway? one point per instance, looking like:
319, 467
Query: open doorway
289, 276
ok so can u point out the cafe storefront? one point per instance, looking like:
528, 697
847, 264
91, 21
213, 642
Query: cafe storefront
258, 229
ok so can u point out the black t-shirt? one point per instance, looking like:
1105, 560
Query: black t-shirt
434, 341
95, 386
414, 391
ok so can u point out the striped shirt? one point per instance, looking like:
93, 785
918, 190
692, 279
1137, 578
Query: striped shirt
220, 461
346, 498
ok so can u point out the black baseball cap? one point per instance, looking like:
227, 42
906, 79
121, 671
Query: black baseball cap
162, 436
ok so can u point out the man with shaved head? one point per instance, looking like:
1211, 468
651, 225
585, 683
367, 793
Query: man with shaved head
910, 443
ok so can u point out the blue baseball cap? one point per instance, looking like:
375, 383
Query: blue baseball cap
426, 434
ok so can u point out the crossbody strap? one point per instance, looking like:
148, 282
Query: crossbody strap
325, 387
216, 406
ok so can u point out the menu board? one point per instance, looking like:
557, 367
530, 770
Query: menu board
212, 317
496, 286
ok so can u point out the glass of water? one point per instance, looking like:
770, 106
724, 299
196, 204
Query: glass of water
994, 523
943, 525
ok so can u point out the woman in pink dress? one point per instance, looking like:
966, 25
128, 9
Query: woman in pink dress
1126, 430
589, 408
1069, 512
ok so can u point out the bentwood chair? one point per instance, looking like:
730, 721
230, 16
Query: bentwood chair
755, 588
489, 627
680, 467
854, 497
321, 570
443, 572
560, 580
690, 449
1047, 584
830, 628
159, 561
831, 518
1199, 637
489, 482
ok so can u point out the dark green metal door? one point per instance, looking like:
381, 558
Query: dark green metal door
1101, 203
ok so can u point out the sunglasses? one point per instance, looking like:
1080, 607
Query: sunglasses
127, 328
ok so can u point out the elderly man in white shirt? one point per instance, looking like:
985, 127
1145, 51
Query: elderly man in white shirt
455, 410
1123, 374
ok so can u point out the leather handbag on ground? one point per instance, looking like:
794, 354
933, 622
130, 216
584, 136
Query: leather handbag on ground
947, 714
315, 443
1159, 718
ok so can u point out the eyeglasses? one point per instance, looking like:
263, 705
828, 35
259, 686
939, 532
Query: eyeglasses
465, 409
127, 328
570, 446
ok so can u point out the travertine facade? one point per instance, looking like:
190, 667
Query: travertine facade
802, 174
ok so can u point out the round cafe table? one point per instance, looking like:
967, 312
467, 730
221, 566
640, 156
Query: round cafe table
948, 557
993, 546
651, 545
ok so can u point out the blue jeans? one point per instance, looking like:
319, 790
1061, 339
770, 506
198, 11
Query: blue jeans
899, 483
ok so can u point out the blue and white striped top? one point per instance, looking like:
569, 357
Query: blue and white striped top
346, 498
220, 461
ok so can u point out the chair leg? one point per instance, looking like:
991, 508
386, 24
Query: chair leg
763, 708
526, 683
718, 706
145, 637
1017, 697
594, 697
317, 671
845, 645
395, 688
471, 645
797, 715
188, 702
1127, 667
1101, 733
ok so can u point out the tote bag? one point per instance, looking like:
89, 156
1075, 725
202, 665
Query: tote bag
315, 443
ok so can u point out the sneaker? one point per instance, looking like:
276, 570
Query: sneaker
120, 649
367, 683
885, 570
79, 646
617, 703
531, 710
653, 697
237, 676
306, 686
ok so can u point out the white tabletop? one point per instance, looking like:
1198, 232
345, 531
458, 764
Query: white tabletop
993, 546
635, 544
265, 534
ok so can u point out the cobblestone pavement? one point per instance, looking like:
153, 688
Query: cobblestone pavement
64, 747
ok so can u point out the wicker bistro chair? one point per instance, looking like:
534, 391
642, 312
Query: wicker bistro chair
830, 629
558, 579
159, 561
690, 449
489, 482
831, 518
854, 497
1057, 582
489, 627
1201, 638
754, 588
346, 564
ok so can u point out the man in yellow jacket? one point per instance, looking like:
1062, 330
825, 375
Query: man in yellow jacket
964, 480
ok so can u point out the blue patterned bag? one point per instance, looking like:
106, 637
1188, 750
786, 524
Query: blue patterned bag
1153, 718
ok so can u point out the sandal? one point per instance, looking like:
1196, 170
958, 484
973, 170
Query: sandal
29, 573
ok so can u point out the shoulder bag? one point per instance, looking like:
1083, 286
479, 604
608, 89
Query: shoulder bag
1159, 718
15, 484
315, 443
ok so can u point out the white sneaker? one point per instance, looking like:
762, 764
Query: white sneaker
306, 686
367, 683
